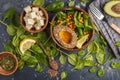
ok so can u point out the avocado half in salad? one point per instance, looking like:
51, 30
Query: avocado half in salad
112, 8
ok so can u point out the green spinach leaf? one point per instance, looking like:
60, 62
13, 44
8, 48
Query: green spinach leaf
9, 14
71, 3
81, 52
117, 43
93, 69
93, 47
101, 72
115, 65
62, 59
72, 59
88, 63
63, 75
56, 5
100, 55
39, 68
79, 65
11, 30
39, 2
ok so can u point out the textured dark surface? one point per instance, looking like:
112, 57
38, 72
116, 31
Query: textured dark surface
30, 73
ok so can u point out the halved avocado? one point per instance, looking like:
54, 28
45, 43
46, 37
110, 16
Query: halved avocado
112, 8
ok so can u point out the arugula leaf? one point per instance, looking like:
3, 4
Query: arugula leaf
63, 75
62, 59
115, 65
101, 72
72, 59
39, 2
93, 69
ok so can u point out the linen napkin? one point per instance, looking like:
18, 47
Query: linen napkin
110, 35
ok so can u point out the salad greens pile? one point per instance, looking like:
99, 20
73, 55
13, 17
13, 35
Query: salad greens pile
94, 56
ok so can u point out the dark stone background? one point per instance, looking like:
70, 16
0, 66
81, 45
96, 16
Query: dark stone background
30, 73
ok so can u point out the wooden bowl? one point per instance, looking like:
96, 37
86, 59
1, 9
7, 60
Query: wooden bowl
72, 49
34, 30
4, 72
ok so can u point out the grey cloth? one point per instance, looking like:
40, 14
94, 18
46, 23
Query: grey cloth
110, 35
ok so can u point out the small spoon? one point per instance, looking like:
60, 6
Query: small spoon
52, 63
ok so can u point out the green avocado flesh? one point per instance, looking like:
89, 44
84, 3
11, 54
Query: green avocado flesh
112, 8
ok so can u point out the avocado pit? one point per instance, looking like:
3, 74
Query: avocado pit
116, 8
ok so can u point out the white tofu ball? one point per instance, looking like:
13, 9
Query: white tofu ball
35, 9
27, 9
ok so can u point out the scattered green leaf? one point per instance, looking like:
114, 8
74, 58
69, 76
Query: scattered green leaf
72, 59
56, 5
115, 65
81, 52
63, 75
39, 68
62, 59
93, 69
101, 72
71, 3
117, 43
39, 2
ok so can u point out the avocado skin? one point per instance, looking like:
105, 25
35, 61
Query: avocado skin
108, 10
